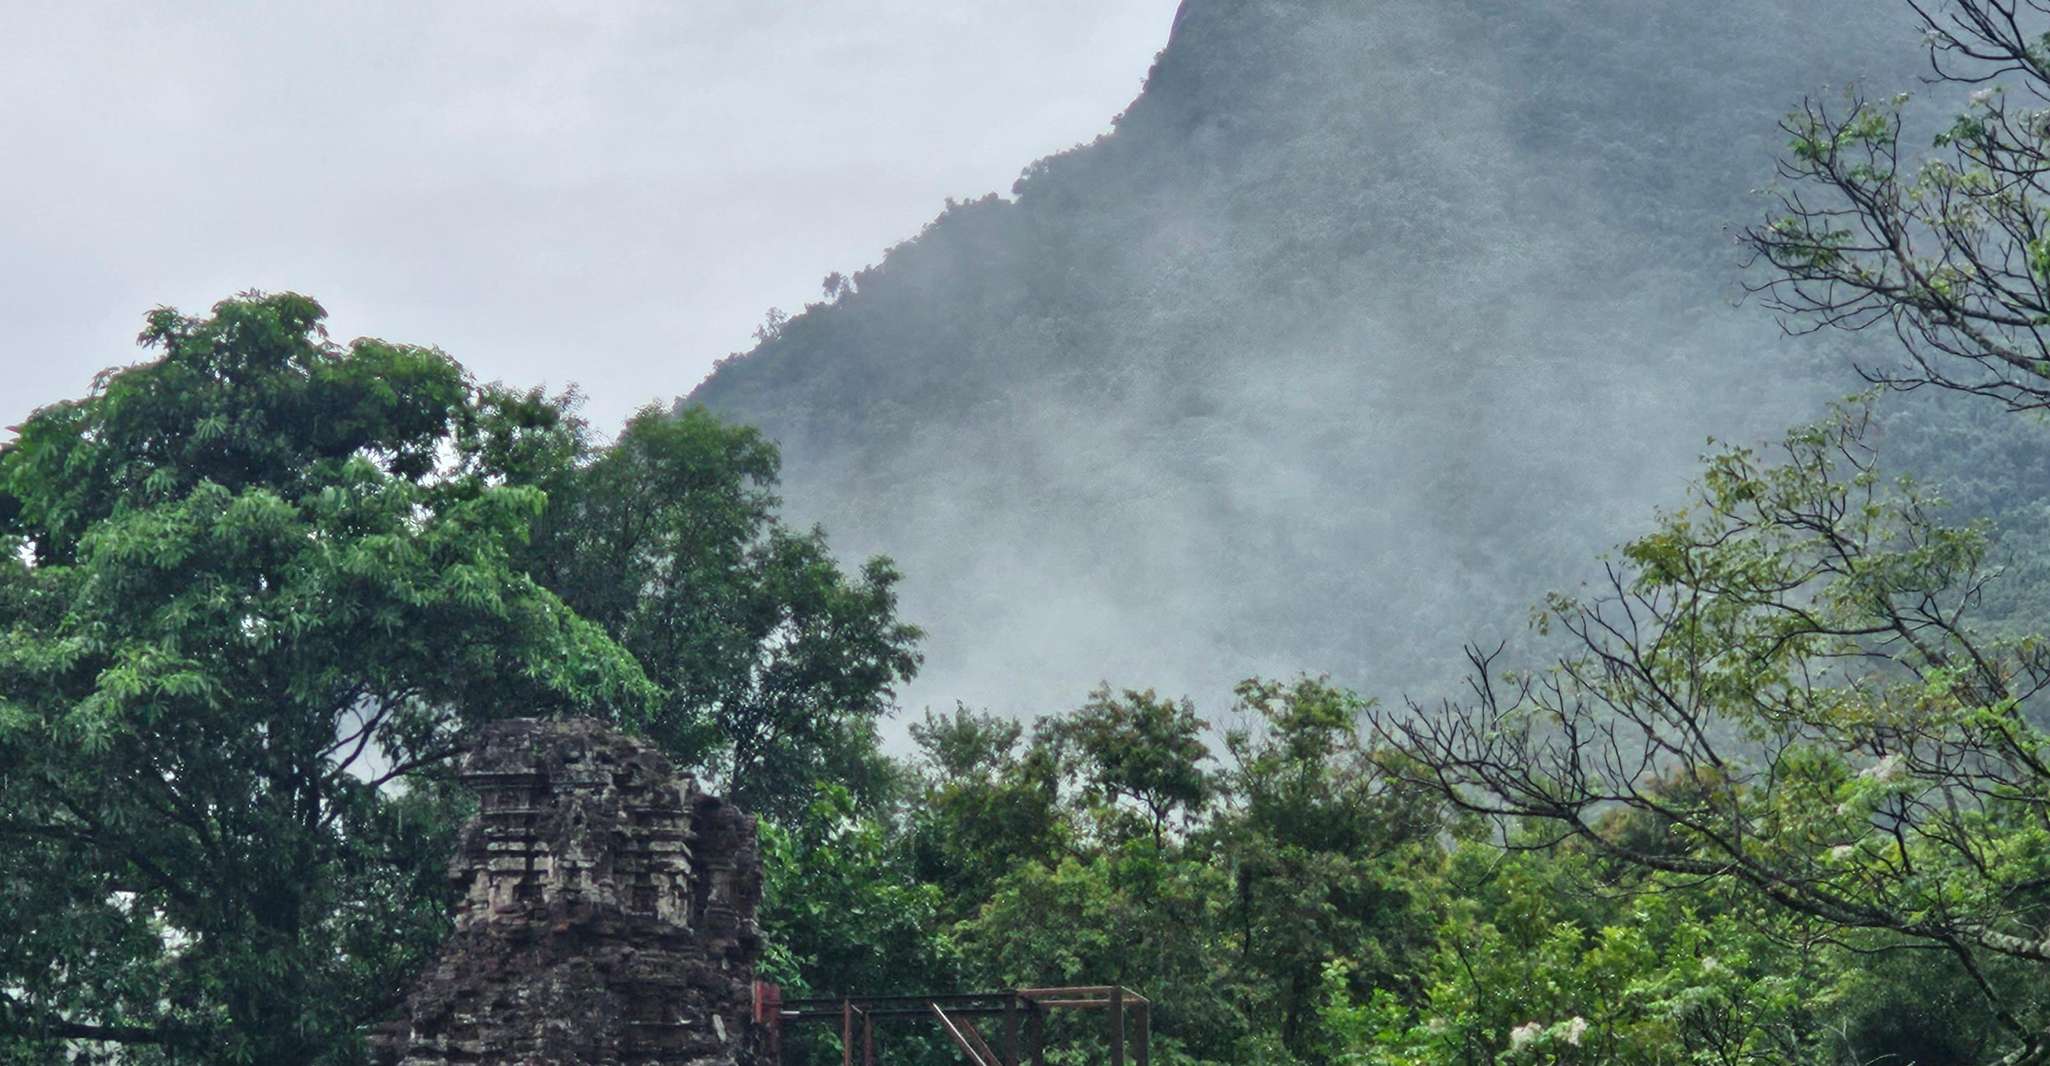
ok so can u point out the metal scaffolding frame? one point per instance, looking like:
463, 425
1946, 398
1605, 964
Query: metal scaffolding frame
1019, 1013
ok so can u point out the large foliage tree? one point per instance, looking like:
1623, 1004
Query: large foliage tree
1330, 850
1790, 695
1785, 684
251, 583
773, 663
986, 802
254, 595
1140, 760
1109, 845
1541, 955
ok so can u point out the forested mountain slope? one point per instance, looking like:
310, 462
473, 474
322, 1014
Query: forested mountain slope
1369, 323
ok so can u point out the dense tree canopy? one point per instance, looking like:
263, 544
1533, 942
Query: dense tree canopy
254, 594
1784, 804
773, 665
1786, 685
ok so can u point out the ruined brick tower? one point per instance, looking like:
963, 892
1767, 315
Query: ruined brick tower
607, 914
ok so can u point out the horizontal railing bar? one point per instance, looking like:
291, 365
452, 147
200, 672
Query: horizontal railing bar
1096, 994
1082, 997
950, 997
888, 1012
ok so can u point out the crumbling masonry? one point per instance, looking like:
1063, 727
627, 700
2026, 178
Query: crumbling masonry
607, 916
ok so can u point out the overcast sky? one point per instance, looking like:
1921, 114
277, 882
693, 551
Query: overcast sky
609, 193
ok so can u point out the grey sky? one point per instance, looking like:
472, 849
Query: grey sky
609, 193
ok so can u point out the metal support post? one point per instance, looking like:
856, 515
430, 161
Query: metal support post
1117, 1025
1011, 1029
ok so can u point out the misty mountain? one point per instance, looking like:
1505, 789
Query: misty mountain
1368, 324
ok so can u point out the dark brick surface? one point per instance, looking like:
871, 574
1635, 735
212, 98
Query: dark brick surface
608, 913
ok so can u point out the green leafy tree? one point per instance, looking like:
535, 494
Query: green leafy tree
254, 596
774, 664
987, 802
1130, 914
1223, 894
842, 910
1136, 753
1786, 677
1540, 958
249, 585
1330, 853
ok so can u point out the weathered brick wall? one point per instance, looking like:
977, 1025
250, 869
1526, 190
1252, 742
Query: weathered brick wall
607, 917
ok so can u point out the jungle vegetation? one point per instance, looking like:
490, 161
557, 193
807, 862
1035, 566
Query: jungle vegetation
1775, 790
